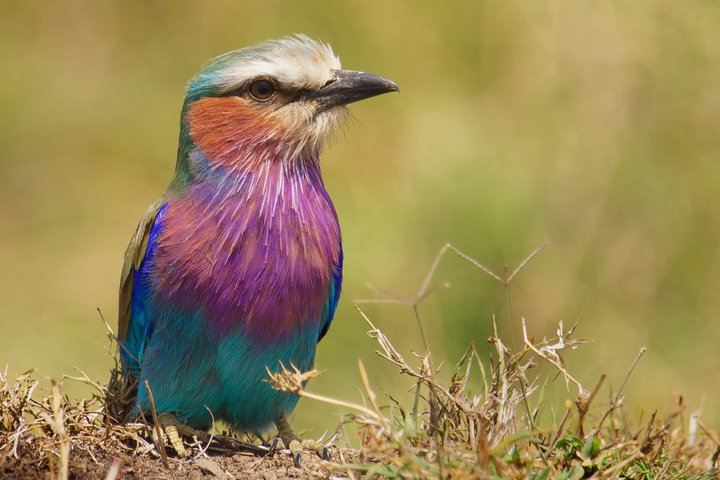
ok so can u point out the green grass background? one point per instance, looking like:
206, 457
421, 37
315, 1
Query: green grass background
594, 125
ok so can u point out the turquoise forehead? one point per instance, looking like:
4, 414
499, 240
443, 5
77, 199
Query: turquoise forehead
298, 61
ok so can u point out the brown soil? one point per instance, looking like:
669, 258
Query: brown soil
99, 465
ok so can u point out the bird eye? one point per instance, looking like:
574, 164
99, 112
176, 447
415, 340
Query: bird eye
261, 90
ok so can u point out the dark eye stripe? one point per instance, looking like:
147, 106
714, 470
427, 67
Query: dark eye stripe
255, 89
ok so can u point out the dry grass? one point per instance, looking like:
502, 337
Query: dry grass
447, 431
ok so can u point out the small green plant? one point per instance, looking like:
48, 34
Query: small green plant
451, 432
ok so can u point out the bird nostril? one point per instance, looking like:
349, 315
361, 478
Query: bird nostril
332, 80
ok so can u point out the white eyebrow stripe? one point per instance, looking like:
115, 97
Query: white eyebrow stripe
298, 61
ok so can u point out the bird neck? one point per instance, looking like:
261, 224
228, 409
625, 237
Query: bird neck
221, 139
237, 191
183, 176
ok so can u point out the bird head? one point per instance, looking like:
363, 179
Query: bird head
285, 95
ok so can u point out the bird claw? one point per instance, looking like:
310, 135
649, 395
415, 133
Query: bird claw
273, 446
293, 443
296, 447
174, 431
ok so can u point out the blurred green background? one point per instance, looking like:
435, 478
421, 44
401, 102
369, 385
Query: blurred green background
593, 125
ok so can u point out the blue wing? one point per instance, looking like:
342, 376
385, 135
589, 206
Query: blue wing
335, 287
135, 326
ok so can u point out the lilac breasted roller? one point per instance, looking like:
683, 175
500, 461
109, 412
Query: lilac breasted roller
237, 268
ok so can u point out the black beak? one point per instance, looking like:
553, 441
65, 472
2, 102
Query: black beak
348, 86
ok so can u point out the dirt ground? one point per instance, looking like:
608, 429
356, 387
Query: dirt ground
100, 465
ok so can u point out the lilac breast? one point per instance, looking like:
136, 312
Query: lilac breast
252, 251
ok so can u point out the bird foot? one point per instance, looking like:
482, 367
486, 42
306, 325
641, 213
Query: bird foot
296, 445
174, 430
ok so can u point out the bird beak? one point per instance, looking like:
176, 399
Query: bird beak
348, 86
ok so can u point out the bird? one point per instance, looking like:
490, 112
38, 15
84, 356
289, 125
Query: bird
236, 270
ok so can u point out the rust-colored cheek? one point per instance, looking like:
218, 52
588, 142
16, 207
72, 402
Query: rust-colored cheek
225, 127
